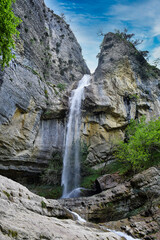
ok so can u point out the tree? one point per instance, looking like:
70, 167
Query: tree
8, 31
142, 148
126, 36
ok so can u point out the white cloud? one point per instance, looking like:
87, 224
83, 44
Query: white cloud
140, 17
156, 52
144, 15
156, 27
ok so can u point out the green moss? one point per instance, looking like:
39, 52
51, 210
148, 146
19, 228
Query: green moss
88, 181
33, 71
46, 93
47, 191
32, 40
47, 113
12, 233
43, 204
7, 194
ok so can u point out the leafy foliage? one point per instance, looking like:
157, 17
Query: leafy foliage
142, 148
52, 174
88, 174
126, 36
61, 86
8, 25
47, 191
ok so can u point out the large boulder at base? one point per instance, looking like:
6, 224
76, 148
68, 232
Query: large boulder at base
26, 216
121, 200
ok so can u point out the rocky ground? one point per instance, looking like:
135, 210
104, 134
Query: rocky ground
26, 216
130, 205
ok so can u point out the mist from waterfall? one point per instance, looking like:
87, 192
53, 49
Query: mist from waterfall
71, 160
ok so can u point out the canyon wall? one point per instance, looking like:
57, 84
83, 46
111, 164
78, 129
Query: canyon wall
33, 90
123, 87
34, 93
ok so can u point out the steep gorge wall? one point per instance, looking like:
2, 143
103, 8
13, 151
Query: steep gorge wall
33, 97
124, 86
33, 102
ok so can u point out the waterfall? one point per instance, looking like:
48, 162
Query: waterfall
71, 161
123, 235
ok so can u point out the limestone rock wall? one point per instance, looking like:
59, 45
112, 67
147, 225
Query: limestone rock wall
124, 86
33, 89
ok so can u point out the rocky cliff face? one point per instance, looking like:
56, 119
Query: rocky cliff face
33, 89
33, 92
124, 86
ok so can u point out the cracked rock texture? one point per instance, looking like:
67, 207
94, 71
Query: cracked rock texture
27, 216
122, 199
33, 97
124, 86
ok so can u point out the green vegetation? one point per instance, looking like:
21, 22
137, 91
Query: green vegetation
125, 36
88, 174
7, 194
142, 149
12, 233
61, 86
46, 93
43, 204
9, 23
46, 190
52, 174
113, 167
88, 181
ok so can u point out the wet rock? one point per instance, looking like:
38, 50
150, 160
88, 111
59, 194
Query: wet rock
121, 200
25, 215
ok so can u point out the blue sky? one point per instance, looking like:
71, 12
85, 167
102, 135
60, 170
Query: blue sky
88, 17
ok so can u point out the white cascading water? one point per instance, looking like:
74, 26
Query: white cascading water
71, 160
124, 235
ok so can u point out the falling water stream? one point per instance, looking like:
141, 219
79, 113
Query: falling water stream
71, 162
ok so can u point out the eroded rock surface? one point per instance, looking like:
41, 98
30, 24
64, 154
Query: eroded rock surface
123, 87
121, 200
33, 98
24, 215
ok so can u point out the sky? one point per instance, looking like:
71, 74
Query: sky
89, 17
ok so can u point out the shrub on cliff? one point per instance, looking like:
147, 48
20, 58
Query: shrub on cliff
142, 148
8, 25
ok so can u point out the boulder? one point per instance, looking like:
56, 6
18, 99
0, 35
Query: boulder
24, 215
108, 181
121, 199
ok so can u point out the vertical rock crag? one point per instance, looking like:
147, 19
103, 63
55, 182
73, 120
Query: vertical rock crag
33, 88
124, 86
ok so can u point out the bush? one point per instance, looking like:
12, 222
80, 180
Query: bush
88, 174
52, 174
9, 23
61, 86
142, 149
